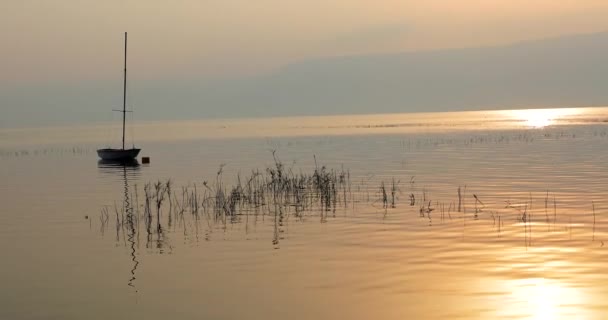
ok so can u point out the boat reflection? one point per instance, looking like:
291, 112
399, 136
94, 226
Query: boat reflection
118, 164
128, 220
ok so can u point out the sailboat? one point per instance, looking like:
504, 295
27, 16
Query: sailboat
109, 154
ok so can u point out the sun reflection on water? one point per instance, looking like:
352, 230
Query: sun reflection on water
542, 299
540, 118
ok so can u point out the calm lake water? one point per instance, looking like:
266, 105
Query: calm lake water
487, 215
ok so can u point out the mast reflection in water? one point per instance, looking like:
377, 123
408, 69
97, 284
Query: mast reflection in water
128, 218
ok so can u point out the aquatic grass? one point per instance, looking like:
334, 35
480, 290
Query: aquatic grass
459, 200
278, 192
547, 211
593, 232
103, 218
554, 211
477, 209
275, 187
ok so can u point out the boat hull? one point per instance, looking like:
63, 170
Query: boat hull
117, 154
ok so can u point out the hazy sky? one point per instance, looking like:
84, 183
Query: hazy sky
62, 42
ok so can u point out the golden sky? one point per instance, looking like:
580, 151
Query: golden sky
82, 39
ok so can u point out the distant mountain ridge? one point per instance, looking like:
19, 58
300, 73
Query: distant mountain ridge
567, 71
561, 72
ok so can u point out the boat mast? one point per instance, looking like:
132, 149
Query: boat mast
124, 96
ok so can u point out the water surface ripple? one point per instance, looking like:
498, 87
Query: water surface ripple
505, 221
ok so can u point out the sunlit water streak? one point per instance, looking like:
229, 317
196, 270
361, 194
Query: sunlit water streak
523, 246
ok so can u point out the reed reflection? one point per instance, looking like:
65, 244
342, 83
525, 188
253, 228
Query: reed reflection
281, 193
203, 208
